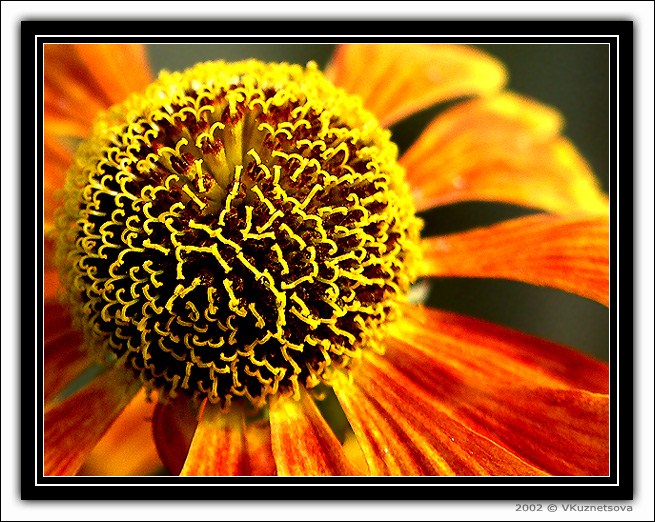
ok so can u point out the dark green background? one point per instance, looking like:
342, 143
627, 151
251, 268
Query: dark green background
572, 78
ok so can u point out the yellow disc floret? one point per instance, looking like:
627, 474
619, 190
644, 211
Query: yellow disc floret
235, 231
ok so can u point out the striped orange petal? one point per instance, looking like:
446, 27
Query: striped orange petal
545, 403
569, 253
74, 426
491, 350
83, 79
397, 80
127, 449
260, 452
223, 445
303, 443
354, 453
219, 445
402, 433
504, 148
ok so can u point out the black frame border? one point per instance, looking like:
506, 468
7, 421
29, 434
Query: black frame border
618, 486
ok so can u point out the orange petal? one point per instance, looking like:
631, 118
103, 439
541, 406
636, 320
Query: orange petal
512, 388
353, 452
505, 148
218, 447
173, 426
120, 70
402, 433
260, 452
303, 443
50, 284
56, 160
398, 80
83, 79
127, 448
224, 446
74, 426
568, 253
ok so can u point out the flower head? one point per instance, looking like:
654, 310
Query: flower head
236, 232
238, 240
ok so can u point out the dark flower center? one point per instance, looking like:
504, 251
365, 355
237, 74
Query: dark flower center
236, 231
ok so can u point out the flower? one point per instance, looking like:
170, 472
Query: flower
235, 242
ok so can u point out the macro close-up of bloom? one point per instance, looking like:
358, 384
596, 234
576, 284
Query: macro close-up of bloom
234, 255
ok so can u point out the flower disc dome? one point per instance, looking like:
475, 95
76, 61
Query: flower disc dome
236, 230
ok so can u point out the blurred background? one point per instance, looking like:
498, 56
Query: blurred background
574, 78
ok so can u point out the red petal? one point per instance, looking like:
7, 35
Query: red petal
127, 448
398, 80
55, 319
303, 443
223, 445
173, 426
565, 252
63, 357
402, 433
64, 360
74, 426
505, 148
49, 250
532, 397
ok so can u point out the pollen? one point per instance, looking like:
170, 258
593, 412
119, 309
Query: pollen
236, 231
